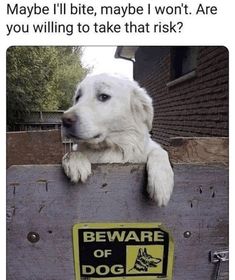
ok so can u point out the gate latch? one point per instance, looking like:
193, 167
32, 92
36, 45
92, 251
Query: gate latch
217, 257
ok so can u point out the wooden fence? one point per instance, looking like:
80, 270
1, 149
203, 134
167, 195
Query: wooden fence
42, 201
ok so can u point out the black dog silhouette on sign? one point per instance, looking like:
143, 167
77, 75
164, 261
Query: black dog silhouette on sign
144, 261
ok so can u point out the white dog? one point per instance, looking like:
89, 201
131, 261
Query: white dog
110, 120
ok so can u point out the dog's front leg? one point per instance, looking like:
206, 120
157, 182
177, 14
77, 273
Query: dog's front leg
76, 166
160, 175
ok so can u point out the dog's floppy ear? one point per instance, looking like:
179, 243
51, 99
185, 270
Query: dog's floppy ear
141, 106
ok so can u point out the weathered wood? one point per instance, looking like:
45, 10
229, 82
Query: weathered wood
199, 150
41, 199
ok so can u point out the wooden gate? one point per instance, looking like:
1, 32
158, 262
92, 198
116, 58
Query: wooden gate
42, 207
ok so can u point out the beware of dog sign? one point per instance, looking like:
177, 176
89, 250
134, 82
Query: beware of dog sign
118, 251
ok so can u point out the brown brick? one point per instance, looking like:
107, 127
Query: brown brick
34, 147
197, 107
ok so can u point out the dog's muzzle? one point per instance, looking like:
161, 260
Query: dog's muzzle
70, 124
69, 119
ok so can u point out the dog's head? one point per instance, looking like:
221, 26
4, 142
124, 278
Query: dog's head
144, 261
147, 259
105, 105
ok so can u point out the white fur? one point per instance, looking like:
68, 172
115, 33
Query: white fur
116, 131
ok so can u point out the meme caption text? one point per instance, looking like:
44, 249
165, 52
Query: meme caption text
128, 14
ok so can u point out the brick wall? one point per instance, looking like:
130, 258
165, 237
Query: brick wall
196, 107
34, 147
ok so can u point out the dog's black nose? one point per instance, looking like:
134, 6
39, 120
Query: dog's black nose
68, 119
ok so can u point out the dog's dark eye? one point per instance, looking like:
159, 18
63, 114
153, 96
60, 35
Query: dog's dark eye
79, 94
77, 98
103, 97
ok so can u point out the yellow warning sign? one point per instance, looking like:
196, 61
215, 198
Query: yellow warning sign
133, 251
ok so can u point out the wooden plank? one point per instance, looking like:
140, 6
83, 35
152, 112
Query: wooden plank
41, 199
199, 150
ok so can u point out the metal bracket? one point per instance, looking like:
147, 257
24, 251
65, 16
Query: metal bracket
219, 255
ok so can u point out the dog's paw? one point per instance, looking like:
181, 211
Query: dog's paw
160, 180
160, 186
76, 166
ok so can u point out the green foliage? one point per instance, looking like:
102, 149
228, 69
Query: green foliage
41, 78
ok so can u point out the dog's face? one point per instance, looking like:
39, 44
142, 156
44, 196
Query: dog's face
105, 105
145, 261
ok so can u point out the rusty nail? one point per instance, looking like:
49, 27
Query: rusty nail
33, 237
